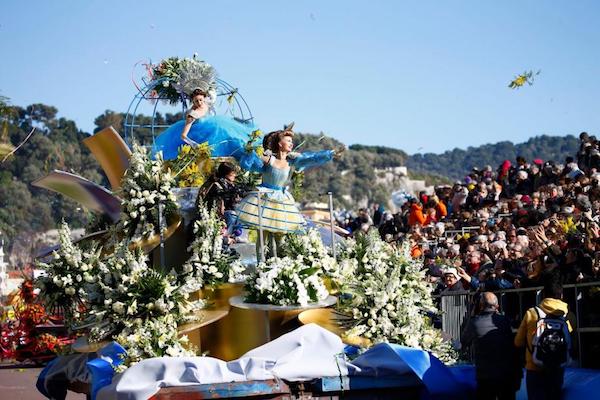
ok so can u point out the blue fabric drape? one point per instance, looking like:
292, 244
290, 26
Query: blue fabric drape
102, 368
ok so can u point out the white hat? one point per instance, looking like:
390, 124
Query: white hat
522, 174
451, 271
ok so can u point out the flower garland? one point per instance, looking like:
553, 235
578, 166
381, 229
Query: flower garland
390, 298
146, 184
209, 264
285, 281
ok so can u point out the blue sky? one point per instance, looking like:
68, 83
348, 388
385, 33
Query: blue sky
420, 76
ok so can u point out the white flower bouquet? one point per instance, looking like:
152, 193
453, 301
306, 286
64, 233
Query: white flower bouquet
118, 297
128, 289
389, 299
209, 264
69, 277
285, 281
174, 76
146, 184
309, 248
149, 338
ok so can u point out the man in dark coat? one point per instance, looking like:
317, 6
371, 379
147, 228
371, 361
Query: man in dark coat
497, 372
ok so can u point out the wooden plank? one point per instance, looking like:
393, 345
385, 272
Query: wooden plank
334, 383
269, 389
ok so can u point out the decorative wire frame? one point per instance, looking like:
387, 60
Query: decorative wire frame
228, 99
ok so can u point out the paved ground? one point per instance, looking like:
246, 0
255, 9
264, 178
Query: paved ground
17, 382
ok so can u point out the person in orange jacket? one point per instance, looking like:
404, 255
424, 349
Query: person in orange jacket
440, 207
415, 215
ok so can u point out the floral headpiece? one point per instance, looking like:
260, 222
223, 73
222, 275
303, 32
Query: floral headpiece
195, 74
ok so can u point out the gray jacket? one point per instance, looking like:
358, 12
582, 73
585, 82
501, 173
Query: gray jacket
492, 339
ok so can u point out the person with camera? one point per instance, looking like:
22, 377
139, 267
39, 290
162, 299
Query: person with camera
489, 335
221, 193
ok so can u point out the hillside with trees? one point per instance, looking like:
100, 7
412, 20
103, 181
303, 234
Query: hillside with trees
57, 144
455, 163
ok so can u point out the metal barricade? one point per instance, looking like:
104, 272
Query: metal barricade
455, 309
584, 313
461, 231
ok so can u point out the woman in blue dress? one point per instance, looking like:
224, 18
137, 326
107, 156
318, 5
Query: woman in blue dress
279, 213
225, 136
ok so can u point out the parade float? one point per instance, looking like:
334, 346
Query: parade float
162, 279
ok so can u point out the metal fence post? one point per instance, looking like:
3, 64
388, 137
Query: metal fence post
577, 320
260, 228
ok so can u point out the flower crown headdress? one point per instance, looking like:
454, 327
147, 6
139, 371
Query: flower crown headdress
194, 75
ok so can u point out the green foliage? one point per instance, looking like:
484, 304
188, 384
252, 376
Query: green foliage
455, 164
56, 144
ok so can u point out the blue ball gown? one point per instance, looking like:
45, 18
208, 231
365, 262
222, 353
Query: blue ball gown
226, 136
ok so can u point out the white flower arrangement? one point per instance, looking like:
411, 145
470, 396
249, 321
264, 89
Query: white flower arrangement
146, 184
128, 289
149, 338
119, 297
285, 281
209, 264
69, 277
310, 249
390, 298
138, 307
175, 76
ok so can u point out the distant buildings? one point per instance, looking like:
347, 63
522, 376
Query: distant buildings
8, 282
397, 178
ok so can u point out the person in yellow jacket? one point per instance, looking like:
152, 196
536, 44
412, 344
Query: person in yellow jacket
542, 383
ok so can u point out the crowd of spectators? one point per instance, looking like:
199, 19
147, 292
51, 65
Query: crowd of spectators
503, 228
526, 223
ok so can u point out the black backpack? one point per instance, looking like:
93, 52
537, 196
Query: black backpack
551, 343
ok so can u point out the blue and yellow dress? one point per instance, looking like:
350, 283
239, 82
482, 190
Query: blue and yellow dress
225, 136
279, 211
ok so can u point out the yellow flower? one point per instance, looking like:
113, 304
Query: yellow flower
569, 225
256, 134
520, 81
185, 149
